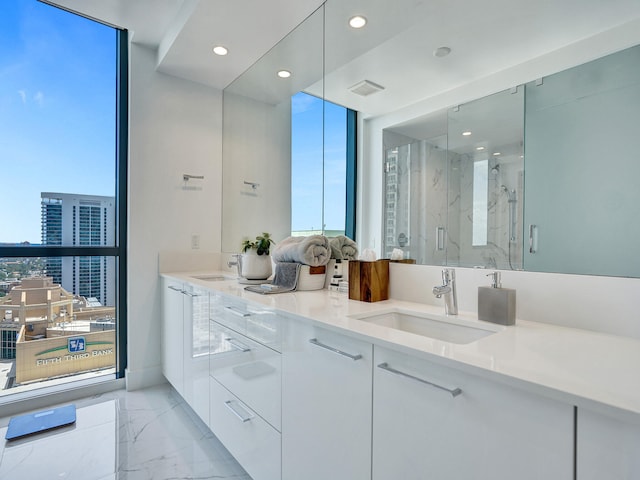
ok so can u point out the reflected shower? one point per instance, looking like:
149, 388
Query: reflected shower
511, 198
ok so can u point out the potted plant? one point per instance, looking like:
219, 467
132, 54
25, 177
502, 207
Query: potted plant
255, 261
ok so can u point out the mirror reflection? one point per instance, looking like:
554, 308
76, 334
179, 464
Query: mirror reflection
257, 140
454, 185
454, 189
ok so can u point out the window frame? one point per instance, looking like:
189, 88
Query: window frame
119, 251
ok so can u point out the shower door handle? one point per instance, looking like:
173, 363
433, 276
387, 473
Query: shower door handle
533, 238
439, 238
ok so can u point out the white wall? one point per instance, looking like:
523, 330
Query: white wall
175, 127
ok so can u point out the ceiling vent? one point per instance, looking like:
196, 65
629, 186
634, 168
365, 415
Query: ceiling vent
365, 88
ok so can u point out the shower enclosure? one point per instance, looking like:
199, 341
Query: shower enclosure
455, 198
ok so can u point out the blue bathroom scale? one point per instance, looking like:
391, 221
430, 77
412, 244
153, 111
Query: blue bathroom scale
40, 421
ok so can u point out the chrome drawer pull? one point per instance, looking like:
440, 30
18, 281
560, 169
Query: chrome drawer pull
175, 289
238, 312
243, 418
237, 345
315, 341
190, 293
385, 366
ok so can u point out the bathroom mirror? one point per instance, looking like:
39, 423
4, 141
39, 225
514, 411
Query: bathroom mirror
256, 148
582, 201
453, 185
395, 75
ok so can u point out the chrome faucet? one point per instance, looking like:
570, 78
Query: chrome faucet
237, 263
448, 289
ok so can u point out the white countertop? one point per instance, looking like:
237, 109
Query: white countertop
588, 369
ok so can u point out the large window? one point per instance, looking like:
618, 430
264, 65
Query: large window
322, 167
62, 228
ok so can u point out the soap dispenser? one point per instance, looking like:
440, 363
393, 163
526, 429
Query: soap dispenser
497, 304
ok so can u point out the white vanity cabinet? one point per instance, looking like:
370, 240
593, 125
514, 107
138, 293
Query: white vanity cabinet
607, 447
171, 334
185, 342
196, 350
326, 405
435, 422
245, 384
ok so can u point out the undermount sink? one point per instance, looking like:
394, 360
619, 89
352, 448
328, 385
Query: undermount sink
448, 329
211, 277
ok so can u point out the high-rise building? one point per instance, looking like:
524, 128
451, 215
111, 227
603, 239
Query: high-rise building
80, 220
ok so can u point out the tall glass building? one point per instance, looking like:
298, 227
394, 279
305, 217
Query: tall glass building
80, 220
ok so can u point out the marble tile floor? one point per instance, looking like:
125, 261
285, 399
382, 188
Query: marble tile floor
146, 434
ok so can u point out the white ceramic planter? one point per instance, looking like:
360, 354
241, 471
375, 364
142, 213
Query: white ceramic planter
254, 266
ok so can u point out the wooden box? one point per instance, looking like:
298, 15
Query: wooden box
369, 281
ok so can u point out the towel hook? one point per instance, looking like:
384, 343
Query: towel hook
186, 177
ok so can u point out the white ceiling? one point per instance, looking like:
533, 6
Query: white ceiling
394, 50
184, 31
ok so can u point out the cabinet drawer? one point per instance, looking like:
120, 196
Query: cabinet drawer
255, 322
251, 440
326, 405
248, 369
452, 424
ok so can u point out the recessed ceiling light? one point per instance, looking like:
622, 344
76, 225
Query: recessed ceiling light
357, 21
441, 52
495, 154
479, 148
220, 50
466, 134
284, 73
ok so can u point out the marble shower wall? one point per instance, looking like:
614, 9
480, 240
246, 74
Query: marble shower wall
501, 251
428, 188
416, 197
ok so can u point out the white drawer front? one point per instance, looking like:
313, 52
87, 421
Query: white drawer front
262, 325
249, 370
452, 424
251, 440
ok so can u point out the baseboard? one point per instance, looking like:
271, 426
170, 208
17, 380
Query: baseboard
47, 397
143, 378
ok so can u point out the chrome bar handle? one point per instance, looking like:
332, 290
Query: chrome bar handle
191, 294
243, 418
385, 366
533, 244
238, 312
315, 342
237, 345
175, 289
440, 238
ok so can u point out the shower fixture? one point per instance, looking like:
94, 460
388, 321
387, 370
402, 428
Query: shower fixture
512, 200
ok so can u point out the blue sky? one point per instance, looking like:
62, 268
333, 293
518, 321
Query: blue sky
308, 155
57, 111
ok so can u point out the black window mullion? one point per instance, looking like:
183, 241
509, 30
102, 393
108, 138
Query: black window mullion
122, 147
59, 251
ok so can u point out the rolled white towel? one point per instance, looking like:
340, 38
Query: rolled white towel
312, 250
343, 248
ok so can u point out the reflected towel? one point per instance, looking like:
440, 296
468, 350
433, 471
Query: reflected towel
312, 250
343, 248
